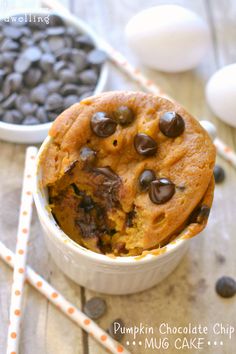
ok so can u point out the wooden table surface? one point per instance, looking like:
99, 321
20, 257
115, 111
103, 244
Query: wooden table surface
187, 295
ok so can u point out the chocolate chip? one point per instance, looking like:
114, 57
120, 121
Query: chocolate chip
161, 190
107, 172
32, 77
39, 94
87, 155
87, 203
123, 115
22, 64
67, 76
28, 108
226, 287
55, 31
102, 125
84, 41
47, 60
70, 100
88, 77
12, 116
146, 177
69, 89
54, 102
30, 120
171, 124
56, 43
53, 86
10, 101
79, 59
95, 308
145, 145
12, 84
129, 218
12, 32
219, 174
33, 54
97, 57
41, 115
200, 214
115, 329
9, 44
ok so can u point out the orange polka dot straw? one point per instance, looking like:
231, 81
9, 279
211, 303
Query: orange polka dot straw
21, 252
63, 305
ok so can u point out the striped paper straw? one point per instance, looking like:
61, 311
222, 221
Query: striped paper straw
64, 305
21, 252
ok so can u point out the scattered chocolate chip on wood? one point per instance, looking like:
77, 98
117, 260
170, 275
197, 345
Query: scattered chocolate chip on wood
219, 174
226, 287
115, 329
95, 308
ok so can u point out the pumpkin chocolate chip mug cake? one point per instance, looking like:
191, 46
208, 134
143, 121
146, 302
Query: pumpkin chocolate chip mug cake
128, 172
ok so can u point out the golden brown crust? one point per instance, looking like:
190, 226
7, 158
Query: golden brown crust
187, 161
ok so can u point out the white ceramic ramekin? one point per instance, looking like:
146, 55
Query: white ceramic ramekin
120, 275
37, 133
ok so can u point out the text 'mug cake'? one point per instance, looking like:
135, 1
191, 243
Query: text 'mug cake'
128, 172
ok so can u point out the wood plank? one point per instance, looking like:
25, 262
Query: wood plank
188, 294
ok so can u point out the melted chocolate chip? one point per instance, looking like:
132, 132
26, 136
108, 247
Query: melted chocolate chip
102, 125
70, 168
129, 218
146, 177
200, 214
87, 203
161, 190
171, 124
145, 145
107, 172
123, 115
87, 155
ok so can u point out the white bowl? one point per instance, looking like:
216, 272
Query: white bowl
37, 133
120, 275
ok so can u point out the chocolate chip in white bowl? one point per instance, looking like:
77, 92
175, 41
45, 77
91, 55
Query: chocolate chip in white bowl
30, 120
68, 76
53, 86
95, 308
33, 54
88, 77
9, 44
54, 102
12, 117
41, 115
70, 100
97, 57
46, 61
12, 32
56, 43
32, 77
22, 64
28, 108
10, 101
39, 94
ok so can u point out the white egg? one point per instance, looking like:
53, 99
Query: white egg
169, 38
221, 94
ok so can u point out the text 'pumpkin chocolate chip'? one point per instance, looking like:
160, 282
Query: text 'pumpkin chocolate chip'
145, 145
161, 190
102, 125
171, 124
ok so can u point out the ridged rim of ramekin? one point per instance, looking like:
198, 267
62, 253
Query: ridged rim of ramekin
102, 79
60, 236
